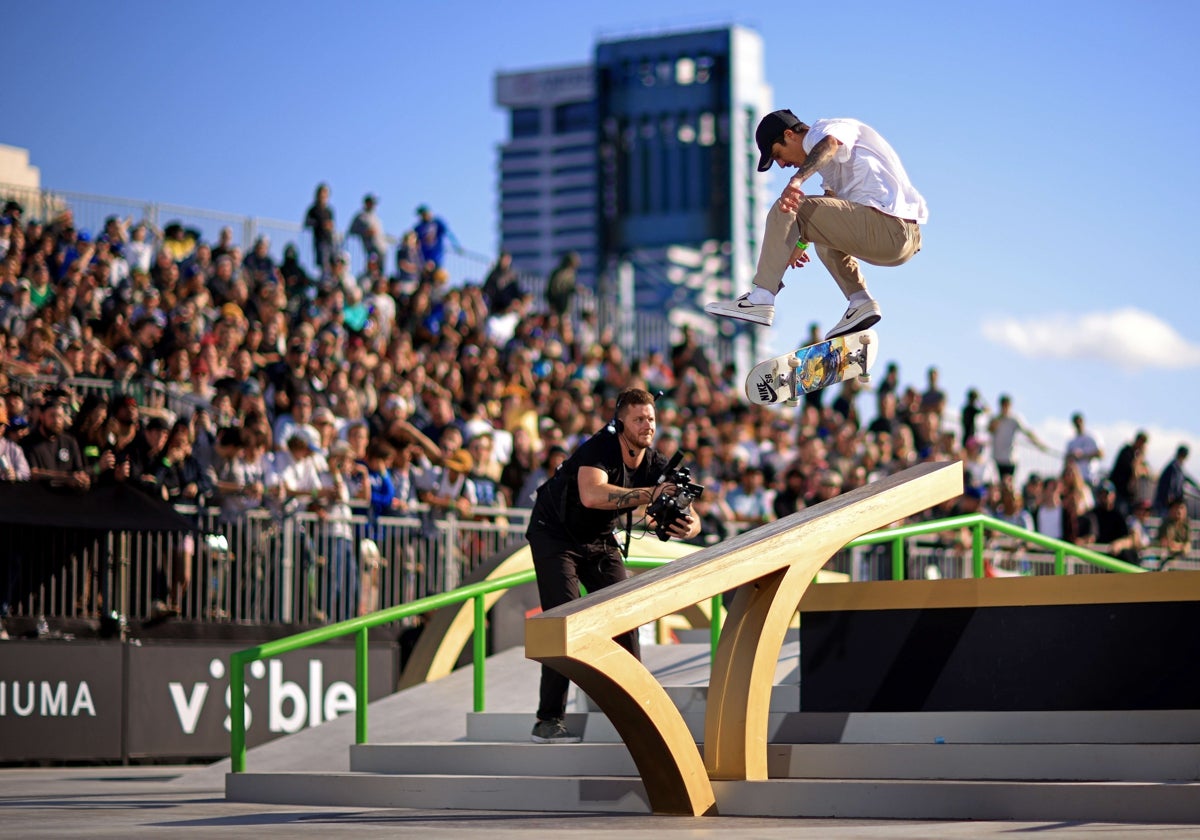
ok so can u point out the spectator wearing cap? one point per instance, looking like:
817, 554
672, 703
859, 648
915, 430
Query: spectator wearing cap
319, 219
1113, 534
13, 466
52, 453
368, 228
432, 235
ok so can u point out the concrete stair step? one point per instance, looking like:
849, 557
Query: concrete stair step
1025, 801
618, 794
694, 698
1103, 727
966, 762
838, 798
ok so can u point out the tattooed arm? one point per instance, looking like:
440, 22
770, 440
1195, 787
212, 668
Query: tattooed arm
821, 154
595, 492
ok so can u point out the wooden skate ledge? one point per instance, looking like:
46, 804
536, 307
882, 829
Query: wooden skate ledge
1041, 590
780, 560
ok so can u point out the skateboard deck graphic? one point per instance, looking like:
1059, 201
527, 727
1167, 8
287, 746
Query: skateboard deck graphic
786, 378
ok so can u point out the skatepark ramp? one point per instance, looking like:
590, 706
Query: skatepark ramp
770, 567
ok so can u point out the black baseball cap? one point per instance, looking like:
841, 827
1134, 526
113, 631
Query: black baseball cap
770, 129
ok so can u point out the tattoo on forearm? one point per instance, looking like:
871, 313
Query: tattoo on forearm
628, 498
821, 154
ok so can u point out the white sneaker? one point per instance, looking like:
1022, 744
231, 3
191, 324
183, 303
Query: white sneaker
857, 317
743, 310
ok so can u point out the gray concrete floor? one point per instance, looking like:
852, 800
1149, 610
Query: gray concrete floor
188, 803
131, 803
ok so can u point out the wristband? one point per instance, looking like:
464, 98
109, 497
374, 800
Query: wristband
801, 244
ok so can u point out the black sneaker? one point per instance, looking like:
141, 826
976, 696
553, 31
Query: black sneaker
553, 732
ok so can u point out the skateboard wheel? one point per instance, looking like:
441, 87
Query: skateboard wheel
864, 378
793, 402
864, 339
793, 362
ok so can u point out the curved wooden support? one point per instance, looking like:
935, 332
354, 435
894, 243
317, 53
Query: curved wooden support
448, 633
773, 565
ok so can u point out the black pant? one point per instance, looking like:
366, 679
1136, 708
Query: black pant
562, 565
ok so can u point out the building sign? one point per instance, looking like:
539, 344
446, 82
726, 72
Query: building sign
545, 87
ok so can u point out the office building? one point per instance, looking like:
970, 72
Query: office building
644, 163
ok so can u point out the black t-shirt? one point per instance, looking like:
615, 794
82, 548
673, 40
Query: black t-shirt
316, 218
59, 453
558, 508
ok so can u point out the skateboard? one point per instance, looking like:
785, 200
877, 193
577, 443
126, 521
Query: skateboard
785, 378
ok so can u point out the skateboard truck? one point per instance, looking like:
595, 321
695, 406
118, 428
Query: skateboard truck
859, 357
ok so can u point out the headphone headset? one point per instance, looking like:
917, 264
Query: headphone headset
615, 426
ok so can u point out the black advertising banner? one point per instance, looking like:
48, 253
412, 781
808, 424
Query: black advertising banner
60, 700
63, 700
179, 694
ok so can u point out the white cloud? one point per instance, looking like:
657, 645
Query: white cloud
1131, 339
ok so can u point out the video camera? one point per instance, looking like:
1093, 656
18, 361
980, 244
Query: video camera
667, 508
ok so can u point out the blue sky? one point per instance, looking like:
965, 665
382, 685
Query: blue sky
1054, 141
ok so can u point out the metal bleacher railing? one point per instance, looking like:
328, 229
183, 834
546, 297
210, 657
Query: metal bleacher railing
89, 212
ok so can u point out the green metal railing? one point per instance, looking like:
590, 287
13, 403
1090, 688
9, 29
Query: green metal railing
476, 592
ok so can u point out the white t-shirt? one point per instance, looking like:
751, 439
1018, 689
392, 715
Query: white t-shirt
1084, 450
1004, 436
866, 170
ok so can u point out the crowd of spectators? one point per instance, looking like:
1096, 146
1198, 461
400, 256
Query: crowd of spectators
391, 388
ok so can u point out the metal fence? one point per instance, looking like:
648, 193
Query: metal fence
260, 568
303, 569
90, 212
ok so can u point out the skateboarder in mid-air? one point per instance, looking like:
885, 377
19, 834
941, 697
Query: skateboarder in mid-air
869, 212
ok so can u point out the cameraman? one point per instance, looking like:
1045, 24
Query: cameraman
571, 529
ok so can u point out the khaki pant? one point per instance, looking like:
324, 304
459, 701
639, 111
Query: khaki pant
843, 233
